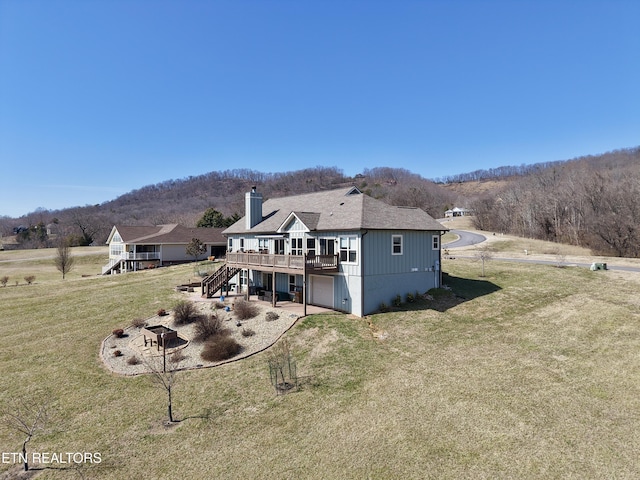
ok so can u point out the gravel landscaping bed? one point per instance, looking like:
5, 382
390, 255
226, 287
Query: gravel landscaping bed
131, 345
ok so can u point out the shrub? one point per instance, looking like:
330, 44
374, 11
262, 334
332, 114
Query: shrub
219, 305
118, 332
208, 326
271, 316
185, 312
138, 322
4, 280
177, 356
247, 332
384, 307
220, 347
133, 360
162, 312
245, 310
29, 279
117, 353
411, 298
397, 301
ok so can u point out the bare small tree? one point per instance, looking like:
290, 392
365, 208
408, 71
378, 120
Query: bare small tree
64, 260
164, 375
484, 254
282, 367
27, 416
560, 257
196, 248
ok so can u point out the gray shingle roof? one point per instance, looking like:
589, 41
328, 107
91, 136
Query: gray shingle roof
342, 209
168, 234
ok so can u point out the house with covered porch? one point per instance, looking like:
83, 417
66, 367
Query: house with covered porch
339, 249
134, 248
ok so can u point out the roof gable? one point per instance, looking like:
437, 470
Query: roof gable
299, 221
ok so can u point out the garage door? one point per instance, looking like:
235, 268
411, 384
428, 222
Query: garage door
321, 291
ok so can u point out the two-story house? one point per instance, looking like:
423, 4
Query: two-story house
134, 248
340, 249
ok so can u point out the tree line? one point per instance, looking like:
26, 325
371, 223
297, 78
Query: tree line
214, 199
589, 203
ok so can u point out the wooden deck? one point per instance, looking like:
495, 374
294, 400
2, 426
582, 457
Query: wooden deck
295, 264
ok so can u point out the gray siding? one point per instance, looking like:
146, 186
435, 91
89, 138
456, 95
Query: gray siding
387, 275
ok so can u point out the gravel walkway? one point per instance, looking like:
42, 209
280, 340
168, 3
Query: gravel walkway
131, 345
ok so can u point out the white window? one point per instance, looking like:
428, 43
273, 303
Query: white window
296, 246
242, 244
435, 242
116, 250
396, 244
263, 245
230, 247
348, 249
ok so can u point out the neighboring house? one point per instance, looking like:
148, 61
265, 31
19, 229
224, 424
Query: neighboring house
339, 249
457, 212
135, 247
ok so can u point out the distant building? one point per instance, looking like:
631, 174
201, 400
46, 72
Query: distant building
457, 212
134, 248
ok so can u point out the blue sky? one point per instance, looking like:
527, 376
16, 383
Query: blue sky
101, 97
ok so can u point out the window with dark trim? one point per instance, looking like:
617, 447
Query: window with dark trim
311, 246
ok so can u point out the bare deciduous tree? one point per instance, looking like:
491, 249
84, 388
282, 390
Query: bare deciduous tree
64, 260
282, 367
28, 416
164, 374
484, 254
196, 248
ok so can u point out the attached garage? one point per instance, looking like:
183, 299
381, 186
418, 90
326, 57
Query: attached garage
321, 291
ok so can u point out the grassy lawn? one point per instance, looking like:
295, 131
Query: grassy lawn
530, 372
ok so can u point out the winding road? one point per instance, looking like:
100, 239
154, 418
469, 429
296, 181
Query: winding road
465, 239
470, 238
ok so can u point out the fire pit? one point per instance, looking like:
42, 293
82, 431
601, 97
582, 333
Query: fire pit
156, 332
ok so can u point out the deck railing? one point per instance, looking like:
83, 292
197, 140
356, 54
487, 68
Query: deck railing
291, 262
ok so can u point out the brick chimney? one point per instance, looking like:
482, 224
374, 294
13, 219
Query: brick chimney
253, 208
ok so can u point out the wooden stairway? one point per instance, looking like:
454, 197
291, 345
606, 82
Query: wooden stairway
217, 279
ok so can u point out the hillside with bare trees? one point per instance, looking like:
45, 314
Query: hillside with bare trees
588, 201
592, 202
186, 200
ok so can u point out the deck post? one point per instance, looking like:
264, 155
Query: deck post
304, 293
273, 287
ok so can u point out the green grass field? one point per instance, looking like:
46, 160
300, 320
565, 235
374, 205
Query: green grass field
530, 372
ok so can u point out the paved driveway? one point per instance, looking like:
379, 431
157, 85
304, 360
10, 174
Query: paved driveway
466, 239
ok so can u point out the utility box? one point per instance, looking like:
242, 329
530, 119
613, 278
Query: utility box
598, 266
